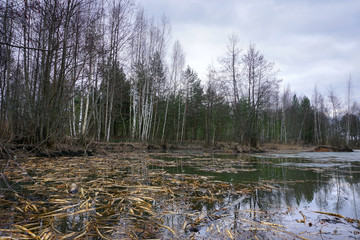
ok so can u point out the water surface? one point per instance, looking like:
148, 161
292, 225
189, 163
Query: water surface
183, 195
290, 189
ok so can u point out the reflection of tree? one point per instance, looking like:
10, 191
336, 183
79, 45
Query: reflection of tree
356, 189
296, 182
297, 185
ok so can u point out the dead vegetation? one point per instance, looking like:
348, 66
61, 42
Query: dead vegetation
286, 147
324, 148
131, 196
74, 147
113, 197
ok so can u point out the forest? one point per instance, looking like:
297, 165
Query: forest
106, 71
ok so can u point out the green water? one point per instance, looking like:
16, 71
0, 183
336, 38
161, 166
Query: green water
297, 185
324, 181
282, 189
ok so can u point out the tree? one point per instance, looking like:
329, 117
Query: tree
348, 100
231, 69
218, 111
335, 103
147, 76
176, 75
306, 128
193, 107
285, 107
259, 82
6, 62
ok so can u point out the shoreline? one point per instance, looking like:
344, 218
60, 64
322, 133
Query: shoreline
76, 147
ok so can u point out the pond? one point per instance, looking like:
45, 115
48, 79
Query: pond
295, 190
183, 195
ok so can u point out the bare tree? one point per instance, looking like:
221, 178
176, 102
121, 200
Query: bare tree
176, 74
335, 128
148, 74
6, 38
285, 106
231, 64
317, 129
231, 68
260, 82
120, 33
348, 100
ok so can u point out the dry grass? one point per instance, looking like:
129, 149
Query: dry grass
285, 147
128, 196
113, 197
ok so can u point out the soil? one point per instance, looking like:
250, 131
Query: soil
333, 149
72, 147
66, 148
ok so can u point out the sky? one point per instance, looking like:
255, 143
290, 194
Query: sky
311, 42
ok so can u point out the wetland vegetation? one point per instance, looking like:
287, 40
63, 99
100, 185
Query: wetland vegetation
100, 116
182, 195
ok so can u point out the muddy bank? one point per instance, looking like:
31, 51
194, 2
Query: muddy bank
67, 148
332, 149
76, 147
71, 147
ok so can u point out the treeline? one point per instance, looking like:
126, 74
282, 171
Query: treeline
107, 71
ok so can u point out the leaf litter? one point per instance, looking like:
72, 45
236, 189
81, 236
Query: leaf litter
131, 196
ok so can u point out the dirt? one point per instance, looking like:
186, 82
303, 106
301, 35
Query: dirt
71, 147
75, 148
333, 149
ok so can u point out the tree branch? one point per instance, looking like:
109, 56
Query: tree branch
22, 47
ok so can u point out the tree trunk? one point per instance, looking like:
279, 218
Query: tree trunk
165, 119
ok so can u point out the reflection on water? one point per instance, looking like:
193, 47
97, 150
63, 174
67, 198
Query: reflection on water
298, 185
330, 184
184, 195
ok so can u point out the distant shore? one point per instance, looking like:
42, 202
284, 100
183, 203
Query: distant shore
75, 147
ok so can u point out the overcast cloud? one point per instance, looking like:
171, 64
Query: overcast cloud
310, 41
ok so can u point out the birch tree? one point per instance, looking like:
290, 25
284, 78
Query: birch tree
260, 82
189, 77
285, 106
176, 70
120, 34
231, 64
335, 104
348, 101
148, 76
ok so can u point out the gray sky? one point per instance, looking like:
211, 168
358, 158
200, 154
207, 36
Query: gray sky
310, 41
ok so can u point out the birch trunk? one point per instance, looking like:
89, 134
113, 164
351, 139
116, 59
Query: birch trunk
73, 116
86, 113
85, 122
110, 113
106, 109
165, 118
184, 117
70, 122
134, 107
99, 122
283, 127
178, 120
81, 114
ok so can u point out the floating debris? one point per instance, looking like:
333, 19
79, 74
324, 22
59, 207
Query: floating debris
135, 196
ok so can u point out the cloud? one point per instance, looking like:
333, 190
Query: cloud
311, 42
